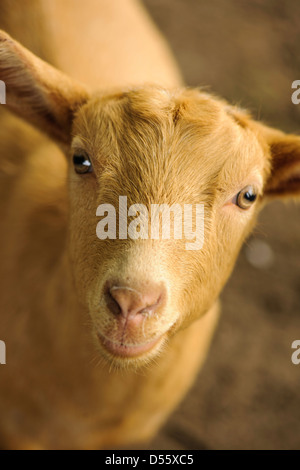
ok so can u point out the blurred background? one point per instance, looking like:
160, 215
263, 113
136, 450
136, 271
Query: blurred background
248, 394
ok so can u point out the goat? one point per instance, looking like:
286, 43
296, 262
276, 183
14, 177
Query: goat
104, 337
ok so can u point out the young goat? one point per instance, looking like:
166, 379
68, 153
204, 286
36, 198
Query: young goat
104, 337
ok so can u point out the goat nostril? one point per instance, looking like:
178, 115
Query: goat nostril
112, 304
127, 301
151, 308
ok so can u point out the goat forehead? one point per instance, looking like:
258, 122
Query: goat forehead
161, 145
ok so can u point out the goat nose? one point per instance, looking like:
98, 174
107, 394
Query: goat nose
128, 301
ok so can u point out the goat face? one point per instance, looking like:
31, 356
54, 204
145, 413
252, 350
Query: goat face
156, 147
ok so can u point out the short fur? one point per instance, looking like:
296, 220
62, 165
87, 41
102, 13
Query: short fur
61, 387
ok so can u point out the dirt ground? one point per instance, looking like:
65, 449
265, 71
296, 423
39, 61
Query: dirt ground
248, 394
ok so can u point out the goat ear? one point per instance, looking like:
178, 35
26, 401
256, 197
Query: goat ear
284, 179
37, 91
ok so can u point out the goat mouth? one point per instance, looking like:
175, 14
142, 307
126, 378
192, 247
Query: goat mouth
117, 348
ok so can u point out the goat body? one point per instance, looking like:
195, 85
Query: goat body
104, 337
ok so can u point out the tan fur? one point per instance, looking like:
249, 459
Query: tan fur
61, 388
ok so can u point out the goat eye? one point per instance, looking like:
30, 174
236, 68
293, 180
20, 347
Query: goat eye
246, 197
82, 163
